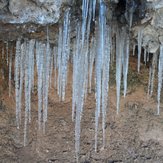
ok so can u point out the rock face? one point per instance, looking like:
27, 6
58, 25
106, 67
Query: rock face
33, 11
152, 26
44, 12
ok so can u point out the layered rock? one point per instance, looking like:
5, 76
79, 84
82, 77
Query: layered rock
33, 11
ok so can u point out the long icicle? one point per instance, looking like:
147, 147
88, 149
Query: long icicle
46, 77
40, 62
10, 69
16, 78
26, 85
22, 69
119, 52
85, 7
140, 36
105, 80
99, 64
126, 60
75, 70
160, 76
94, 9
91, 60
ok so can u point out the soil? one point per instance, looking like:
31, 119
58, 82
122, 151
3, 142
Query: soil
133, 136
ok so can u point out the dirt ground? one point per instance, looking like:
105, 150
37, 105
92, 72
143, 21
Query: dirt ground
133, 136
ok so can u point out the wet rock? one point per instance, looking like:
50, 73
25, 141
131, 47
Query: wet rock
32, 11
150, 38
29, 11
3, 3
158, 18
156, 3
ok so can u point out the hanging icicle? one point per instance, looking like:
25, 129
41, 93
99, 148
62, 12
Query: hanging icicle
91, 60
10, 70
101, 69
85, 10
140, 36
105, 80
7, 53
125, 59
40, 48
16, 78
63, 54
145, 56
94, 9
152, 74
29, 77
119, 53
160, 77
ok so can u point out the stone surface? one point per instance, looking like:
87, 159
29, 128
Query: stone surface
3, 3
31, 11
150, 38
45, 12
158, 18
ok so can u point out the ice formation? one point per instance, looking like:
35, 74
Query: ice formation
92, 52
10, 70
152, 74
160, 76
140, 35
122, 61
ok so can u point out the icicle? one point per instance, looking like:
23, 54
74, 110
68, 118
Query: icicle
29, 77
80, 81
149, 80
145, 56
86, 70
22, 69
59, 64
148, 56
30, 72
63, 54
94, 9
89, 23
3, 52
44, 76
126, 60
2, 58
140, 35
130, 8
113, 49
118, 68
105, 80
80, 92
16, 78
51, 70
7, 56
75, 70
99, 64
26, 85
152, 75
46, 83
160, 77
10, 70
51, 59
85, 6
55, 65
133, 51
91, 61
40, 62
